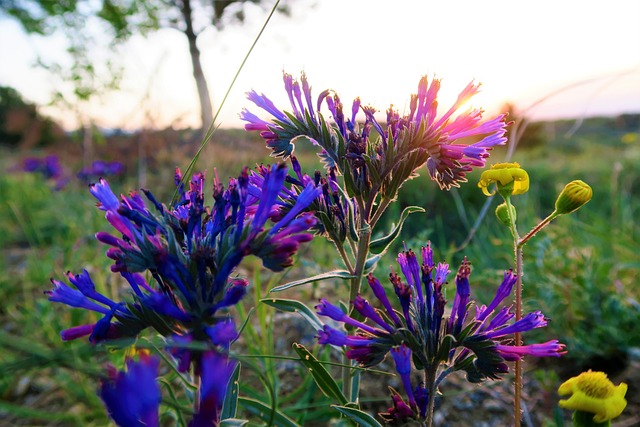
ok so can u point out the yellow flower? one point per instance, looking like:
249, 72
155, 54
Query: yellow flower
507, 176
593, 392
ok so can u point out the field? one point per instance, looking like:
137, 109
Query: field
582, 271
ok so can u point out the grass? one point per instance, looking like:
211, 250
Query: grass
581, 271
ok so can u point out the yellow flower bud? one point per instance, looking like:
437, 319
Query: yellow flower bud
593, 392
508, 177
503, 216
573, 196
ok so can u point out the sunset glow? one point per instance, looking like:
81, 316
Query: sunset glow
520, 52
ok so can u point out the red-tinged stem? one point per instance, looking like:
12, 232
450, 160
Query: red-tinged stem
517, 248
537, 228
518, 337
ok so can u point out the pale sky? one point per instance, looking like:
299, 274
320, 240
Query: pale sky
520, 51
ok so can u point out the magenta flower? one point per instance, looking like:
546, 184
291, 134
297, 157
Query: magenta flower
419, 137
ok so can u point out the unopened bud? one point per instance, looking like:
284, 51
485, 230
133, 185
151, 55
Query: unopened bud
573, 196
503, 214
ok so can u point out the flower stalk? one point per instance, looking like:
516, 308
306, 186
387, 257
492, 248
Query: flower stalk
509, 180
518, 258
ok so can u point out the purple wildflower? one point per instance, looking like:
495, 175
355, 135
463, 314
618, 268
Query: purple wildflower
420, 136
215, 373
419, 330
400, 413
402, 356
49, 167
100, 169
132, 397
551, 348
189, 253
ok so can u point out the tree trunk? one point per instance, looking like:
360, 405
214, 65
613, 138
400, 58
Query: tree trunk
206, 109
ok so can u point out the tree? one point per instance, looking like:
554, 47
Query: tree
529, 134
124, 18
21, 124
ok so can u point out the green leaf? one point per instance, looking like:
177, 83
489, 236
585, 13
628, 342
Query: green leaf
355, 385
370, 264
233, 422
230, 404
380, 246
320, 374
341, 274
362, 418
293, 306
264, 413
445, 347
303, 139
330, 228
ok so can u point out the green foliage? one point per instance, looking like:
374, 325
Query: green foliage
581, 271
584, 279
40, 238
19, 118
35, 215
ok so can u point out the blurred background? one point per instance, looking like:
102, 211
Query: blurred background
124, 88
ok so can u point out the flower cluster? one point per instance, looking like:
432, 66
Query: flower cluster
422, 330
322, 194
132, 397
188, 253
49, 167
100, 169
403, 144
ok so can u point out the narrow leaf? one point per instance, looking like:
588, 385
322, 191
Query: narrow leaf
355, 386
233, 422
264, 412
230, 405
370, 264
340, 274
362, 418
320, 374
380, 246
293, 306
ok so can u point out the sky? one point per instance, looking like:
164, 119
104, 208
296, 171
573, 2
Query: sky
551, 59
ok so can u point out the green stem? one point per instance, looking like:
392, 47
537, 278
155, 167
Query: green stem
346, 376
362, 253
187, 173
585, 419
379, 211
345, 257
364, 238
430, 381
